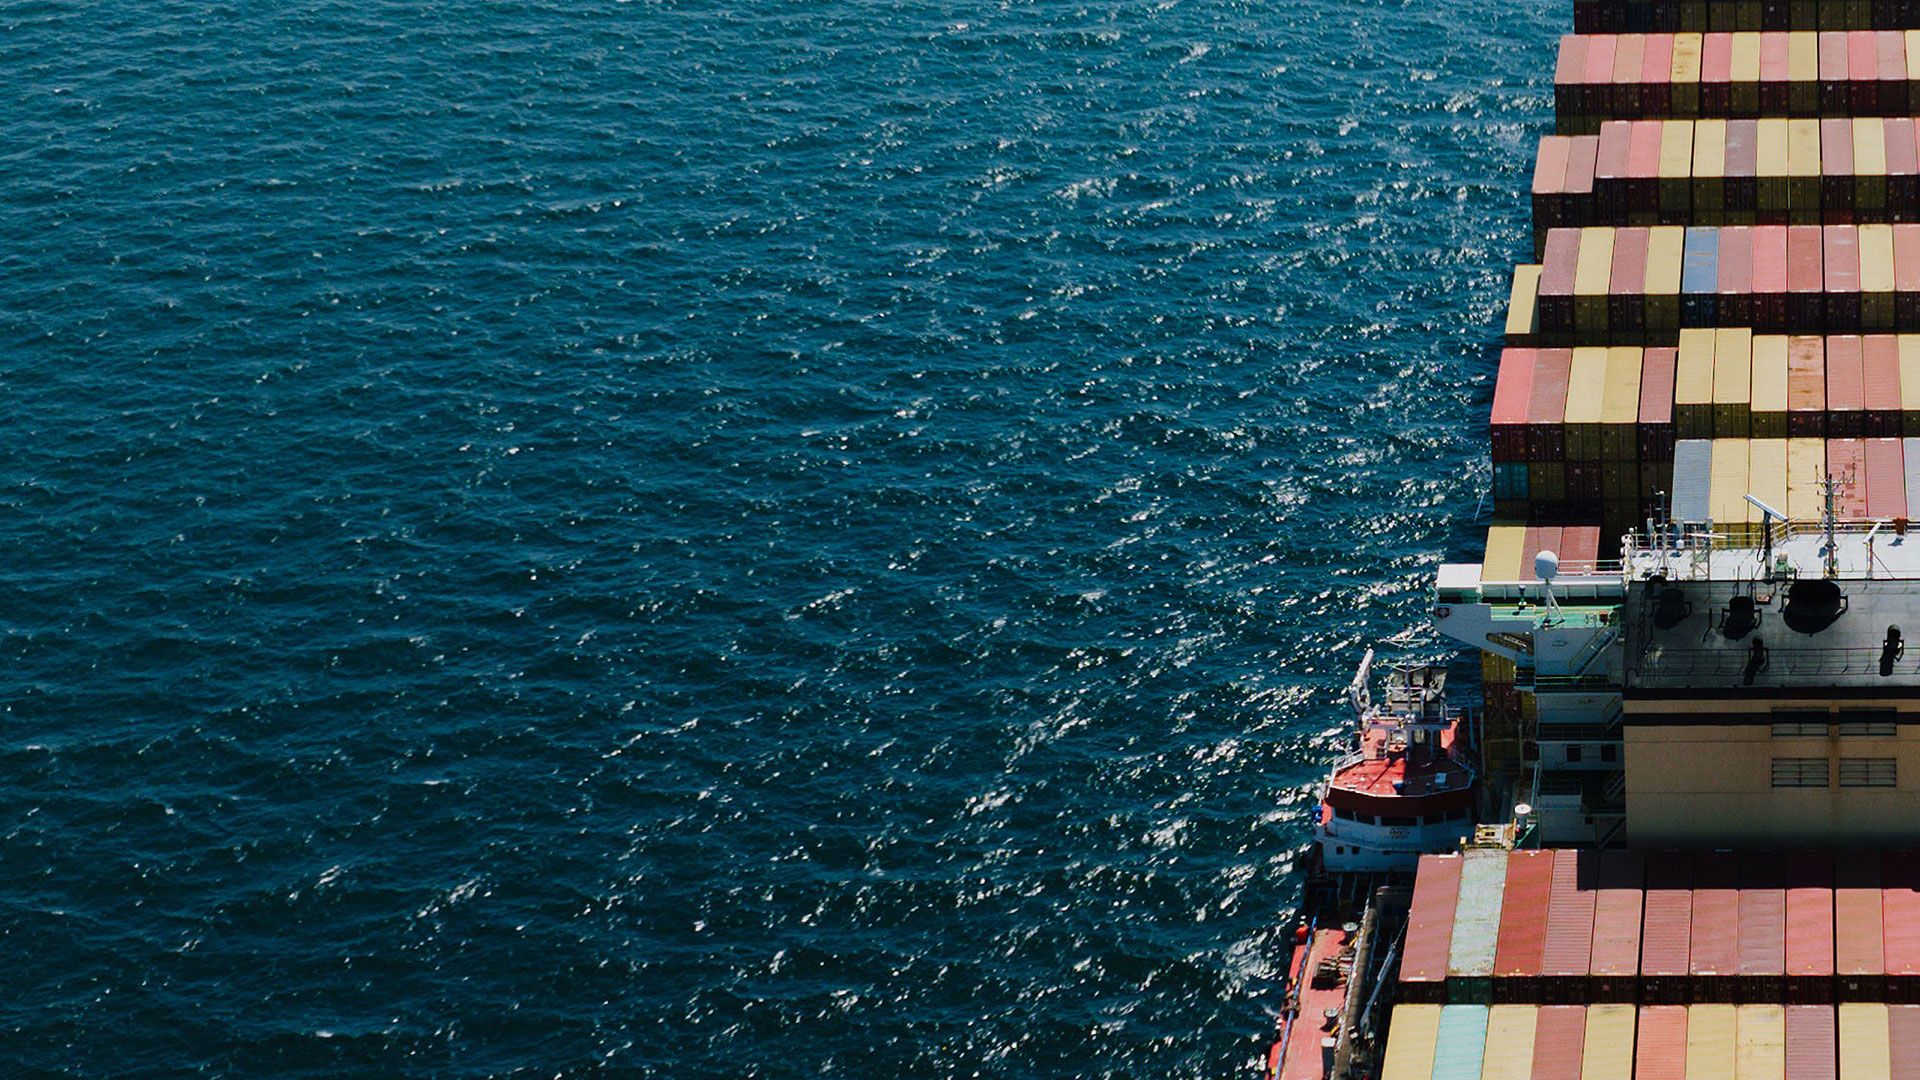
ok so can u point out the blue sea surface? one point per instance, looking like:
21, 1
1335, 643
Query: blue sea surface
689, 539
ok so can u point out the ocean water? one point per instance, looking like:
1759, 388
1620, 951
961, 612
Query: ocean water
686, 539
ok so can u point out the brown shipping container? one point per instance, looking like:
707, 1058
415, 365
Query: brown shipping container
1880, 384
1806, 387
1736, 276
1805, 282
1568, 72
1858, 948
1903, 1041
1656, 405
1559, 1037
1423, 964
1665, 956
1616, 926
1846, 463
1522, 935
1568, 951
1626, 302
1812, 1043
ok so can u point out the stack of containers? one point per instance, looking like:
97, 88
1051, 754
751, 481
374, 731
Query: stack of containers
1429, 938
1520, 941
1476, 927
1617, 914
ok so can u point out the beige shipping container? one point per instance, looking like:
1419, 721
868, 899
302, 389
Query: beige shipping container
1806, 460
1523, 306
1760, 1048
1666, 248
1684, 84
1676, 168
1709, 172
1620, 407
1693, 385
1766, 480
1711, 1034
1876, 277
1803, 74
1910, 393
1732, 383
1769, 386
1803, 172
1508, 1054
1869, 165
1865, 1050
1770, 166
1591, 278
1586, 398
1608, 1050
1410, 1042
1727, 487
1506, 546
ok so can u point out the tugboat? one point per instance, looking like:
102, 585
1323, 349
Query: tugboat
1409, 787
1406, 790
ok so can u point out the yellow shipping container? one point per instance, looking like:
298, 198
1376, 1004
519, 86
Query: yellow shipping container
1865, 1053
1686, 59
1770, 165
1410, 1041
1803, 58
1746, 57
1766, 479
1876, 277
1506, 546
1910, 391
1591, 278
1732, 383
1869, 163
1523, 305
1666, 245
1620, 408
1608, 1053
1761, 1050
1586, 397
1693, 385
1803, 172
1708, 164
1769, 386
1727, 487
1676, 166
1806, 460
1710, 1042
1509, 1049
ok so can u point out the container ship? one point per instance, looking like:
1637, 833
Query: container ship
1675, 835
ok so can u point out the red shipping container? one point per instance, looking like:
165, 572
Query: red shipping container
1616, 926
1812, 1043
1880, 384
1716, 71
1890, 68
1656, 73
1556, 281
1715, 936
1863, 70
1569, 72
1740, 165
1660, 1043
1903, 1041
1522, 936
1834, 99
1512, 396
1436, 890
1805, 279
1840, 254
1626, 75
1580, 544
1610, 173
1846, 463
1736, 276
1846, 387
1559, 1042
1858, 946
1773, 73
1643, 173
1626, 284
1547, 410
1549, 185
1656, 404
1836, 170
1568, 953
1665, 955
1578, 184
1806, 387
1770, 277
1886, 479
1906, 276
1809, 927
1763, 924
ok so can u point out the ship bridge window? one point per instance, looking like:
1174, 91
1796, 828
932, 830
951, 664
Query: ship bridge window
1799, 724
1867, 772
1794, 772
1869, 723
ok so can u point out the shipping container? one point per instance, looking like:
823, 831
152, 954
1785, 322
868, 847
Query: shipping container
1476, 919
1812, 1053
1900, 923
1903, 1041
1520, 944
1593, 274
1770, 277
1767, 470
1661, 1050
1509, 1049
1620, 407
1616, 926
1656, 403
1557, 273
1547, 411
1762, 899
1846, 462
1846, 387
1607, 1049
1567, 948
1512, 397
1886, 480
1910, 451
1840, 259
1906, 276
1769, 394
1760, 1042
1711, 1036
1461, 1042
1727, 506
1806, 463
1626, 302
1666, 248
1559, 1041
1693, 384
1412, 1035
1665, 956
1523, 316
1809, 922
1586, 398
1732, 382
1429, 938
1864, 1050
1692, 483
1806, 386
1504, 546
1714, 957
1909, 348
1880, 384
1805, 281
1877, 307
